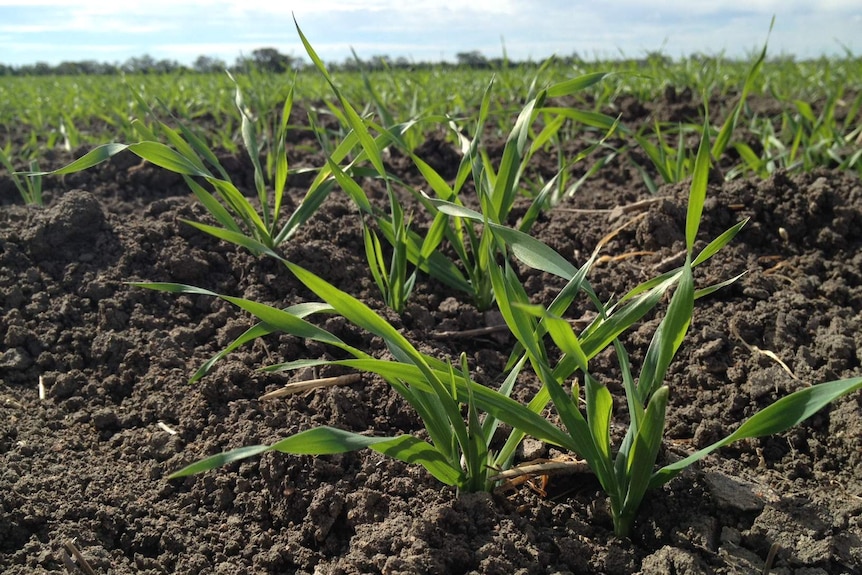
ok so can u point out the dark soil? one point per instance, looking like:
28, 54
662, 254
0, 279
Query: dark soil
87, 463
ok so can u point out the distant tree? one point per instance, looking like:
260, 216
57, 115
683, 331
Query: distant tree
83, 67
271, 60
102, 68
139, 64
146, 64
352, 64
68, 68
208, 64
473, 59
379, 62
42, 69
166, 66
90, 67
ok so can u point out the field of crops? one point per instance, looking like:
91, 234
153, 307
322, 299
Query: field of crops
571, 317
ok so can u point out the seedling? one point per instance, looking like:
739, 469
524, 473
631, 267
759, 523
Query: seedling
30, 185
627, 473
458, 452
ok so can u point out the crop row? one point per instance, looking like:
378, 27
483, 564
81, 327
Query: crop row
804, 115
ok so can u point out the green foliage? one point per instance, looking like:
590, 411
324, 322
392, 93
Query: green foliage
674, 165
801, 139
498, 188
186, 153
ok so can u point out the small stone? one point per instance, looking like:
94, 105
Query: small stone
67, 384
15, 359
105, 419
672, 560
733, 493
532, 449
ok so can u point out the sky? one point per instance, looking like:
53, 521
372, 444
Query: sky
53, 31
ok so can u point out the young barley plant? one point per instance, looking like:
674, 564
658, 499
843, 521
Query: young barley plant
629, 471
497, 189
29, 185
187, 154
458, 452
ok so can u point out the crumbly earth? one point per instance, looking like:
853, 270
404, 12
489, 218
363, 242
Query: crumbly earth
87, 463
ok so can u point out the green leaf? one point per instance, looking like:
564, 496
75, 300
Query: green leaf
435, 264
219, 460
326, 441
535, 253
243, 208
492, 402
715, 245
376, 262
353, 119
203, 151
145, 132
600, 405
329, 440
354, 310
569, 87
212, 205
601, 334
233, 237
505, 189
697, 195
165, 157
439, 412
275, 318
724, 135
668, 336
476, 449
702, 292
350, 187
182, 147
781, 415
409, 449
93, 157
594, 119
642, 459
259, 330
250, 141
315, 196
656, 156
281, 165
456, 210
752, 160
433, 179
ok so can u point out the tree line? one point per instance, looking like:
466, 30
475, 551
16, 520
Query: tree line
262, 59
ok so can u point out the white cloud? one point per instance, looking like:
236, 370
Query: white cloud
422, 30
